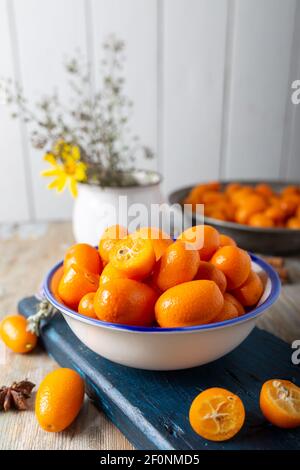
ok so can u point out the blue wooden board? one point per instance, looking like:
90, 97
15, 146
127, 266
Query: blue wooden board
151, 408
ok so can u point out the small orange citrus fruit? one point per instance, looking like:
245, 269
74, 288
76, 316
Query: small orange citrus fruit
206, 240
59, 399
188, 304
208, 271
294, 223
235, 263
275, 213
86, 305
75, 283
85, 256
261, 220
264, 189
217, 414
225, 240
178, 264
134, 256
228, 312
249, 293
160, 240
110, 237
280, 403
55, 283
110, 273
14, 333
126, 302
230, 298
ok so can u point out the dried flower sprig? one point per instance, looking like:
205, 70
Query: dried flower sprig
45, 311
94, 123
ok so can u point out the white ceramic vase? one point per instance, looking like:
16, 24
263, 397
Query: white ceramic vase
96, 208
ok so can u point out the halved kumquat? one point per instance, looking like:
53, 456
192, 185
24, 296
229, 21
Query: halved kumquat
134, 256
280, 403
217, 414
110, 237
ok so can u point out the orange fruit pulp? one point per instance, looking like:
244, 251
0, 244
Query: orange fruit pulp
280, 403
110, 237
134, 256
217, 414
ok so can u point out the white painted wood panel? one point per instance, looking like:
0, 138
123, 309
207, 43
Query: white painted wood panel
290, 167
293, 163
210, 81
47, 32
259, 87
135, 22
194, 35
14, 204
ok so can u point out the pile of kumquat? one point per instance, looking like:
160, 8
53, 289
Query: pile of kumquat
147, 279
257, 206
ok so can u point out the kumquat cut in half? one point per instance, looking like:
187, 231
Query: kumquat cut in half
217, 414
280, 403
109, 238
134, 256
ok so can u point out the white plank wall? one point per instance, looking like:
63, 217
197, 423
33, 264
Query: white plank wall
210, 81
47, 31
193, 39
259, 87
290, 167
134, 21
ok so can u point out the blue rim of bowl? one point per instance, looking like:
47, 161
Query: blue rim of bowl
274, 293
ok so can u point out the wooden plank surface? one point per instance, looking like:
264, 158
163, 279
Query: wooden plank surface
26, 254
151, 408
24, 261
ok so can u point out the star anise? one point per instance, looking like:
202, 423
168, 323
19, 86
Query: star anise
16, 395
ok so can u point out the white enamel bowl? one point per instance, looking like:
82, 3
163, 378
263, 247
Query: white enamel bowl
156, 348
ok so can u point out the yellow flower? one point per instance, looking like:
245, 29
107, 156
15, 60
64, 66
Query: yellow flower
70, 171
64, 150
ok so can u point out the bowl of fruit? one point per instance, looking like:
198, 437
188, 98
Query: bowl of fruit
146, 301
261, 217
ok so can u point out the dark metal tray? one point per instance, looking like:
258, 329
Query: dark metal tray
279, 241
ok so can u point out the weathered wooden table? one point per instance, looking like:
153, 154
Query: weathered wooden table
26, 253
